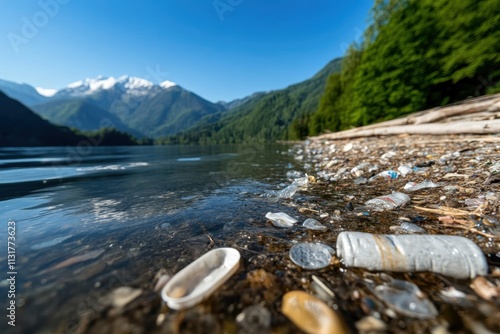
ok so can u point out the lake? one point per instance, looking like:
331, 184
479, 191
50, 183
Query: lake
91, 219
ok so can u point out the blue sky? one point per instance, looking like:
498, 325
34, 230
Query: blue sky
222, 53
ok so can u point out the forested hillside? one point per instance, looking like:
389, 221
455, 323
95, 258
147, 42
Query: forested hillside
415, 55
266, 117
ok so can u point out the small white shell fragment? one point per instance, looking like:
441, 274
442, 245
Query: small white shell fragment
311, 256
281, 219
201, 278
313, 224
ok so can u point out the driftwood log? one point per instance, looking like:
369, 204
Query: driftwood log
474, 116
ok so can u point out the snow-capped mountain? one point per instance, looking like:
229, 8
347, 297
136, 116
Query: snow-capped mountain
131, 104
125, 84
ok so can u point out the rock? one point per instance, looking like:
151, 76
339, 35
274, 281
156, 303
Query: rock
311, 314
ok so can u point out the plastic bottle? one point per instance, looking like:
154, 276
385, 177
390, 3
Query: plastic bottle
449, 255
388, 174
388, 202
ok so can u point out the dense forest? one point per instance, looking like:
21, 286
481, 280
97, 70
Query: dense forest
415, 55
22, 127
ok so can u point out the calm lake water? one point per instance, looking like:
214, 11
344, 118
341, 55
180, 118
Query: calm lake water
99, 217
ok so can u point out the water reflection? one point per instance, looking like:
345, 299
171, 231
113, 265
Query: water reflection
138, 208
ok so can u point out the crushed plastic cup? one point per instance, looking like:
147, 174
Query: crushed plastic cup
448, 255
201, 278
313, 224
406, 298
281, 219
310, 255
388, 174
412, 186
388, 202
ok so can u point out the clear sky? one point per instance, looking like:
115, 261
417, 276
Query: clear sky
221, 50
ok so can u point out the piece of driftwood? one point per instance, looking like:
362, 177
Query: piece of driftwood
471, 127
454, 119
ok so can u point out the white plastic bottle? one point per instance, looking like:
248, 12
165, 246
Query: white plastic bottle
449, 255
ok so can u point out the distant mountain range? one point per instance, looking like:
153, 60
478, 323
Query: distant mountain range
144, 109
19, 126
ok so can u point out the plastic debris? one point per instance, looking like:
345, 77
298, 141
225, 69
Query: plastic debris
388, 202
405, 169
254, 319
201, 278
311, 256
411, 228
301, 181
388, 174
360, 180
281, 219
406, 298
449, 255
312, 315
474, 202
412, 186
358, 170
313, 224
287, 192
293, 174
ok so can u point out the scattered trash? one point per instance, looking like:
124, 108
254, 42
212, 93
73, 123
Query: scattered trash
407, 227
254, 319
311, 256
359, 169
293, 174
287, 192
312, 315
201, 278
313, 224
405, 169
406, 298
388, 174
301, 181
281, 219
360, 180
449, 255
474, 202
412, 186
388, 202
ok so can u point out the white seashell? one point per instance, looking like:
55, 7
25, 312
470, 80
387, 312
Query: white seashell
281, 219
201, 278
